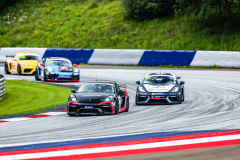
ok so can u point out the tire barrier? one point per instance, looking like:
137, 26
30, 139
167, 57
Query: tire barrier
2, 86
135, 57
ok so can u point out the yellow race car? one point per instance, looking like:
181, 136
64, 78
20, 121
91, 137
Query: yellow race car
22, 63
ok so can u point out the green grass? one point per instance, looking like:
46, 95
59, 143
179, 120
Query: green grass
28, 97
101, 24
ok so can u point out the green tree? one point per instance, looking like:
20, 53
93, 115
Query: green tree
225, 9
148, 9
5, 3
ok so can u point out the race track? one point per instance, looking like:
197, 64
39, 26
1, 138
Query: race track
212, 100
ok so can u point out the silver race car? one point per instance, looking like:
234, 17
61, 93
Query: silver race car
160, 88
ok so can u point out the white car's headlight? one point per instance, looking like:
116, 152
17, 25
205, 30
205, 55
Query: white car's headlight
73, 98
25, 64
141, 89
50, 70
76, 70
175, 89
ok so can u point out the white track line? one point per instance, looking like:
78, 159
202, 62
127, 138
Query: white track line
121, 148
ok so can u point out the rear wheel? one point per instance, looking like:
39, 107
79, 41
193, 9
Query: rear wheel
117, 107
127, 107
6, 69
71, 115
19, 71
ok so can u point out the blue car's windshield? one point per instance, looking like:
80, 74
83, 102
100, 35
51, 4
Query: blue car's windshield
58, 62
29, 57
158, 79
104, 88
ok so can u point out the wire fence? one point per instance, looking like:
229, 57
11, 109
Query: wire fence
2, 86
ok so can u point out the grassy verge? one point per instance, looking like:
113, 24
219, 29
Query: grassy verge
101, 24
28, 97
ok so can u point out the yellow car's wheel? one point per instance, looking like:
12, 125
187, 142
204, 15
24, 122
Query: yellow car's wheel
19, 71
6, 69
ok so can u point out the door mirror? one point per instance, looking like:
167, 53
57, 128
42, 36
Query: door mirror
73, 91
178, 77
121, 91
137, 82
42, 64
182, 82
75, 65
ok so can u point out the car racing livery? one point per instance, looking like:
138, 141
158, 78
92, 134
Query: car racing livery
22, 63
98, 98
160, 88
57, 69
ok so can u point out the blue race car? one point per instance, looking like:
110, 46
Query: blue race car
160, 88
57, 69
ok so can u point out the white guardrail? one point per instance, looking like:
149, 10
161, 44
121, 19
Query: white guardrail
134, 57
2, 86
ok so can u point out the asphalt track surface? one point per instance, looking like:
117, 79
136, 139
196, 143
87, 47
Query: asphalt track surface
211, 103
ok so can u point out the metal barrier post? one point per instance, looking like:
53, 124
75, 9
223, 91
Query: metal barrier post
2, 86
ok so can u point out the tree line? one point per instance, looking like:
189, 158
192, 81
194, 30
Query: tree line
224, 10
5, 3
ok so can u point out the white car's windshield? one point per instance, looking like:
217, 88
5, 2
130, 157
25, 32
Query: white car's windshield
104, 88
58, 62
158, 79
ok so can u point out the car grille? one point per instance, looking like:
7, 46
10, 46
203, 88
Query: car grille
162, 101
72, 109
143, 98
88, 111
173, 99
27, 70
65, 71
64, 79
53, 76
75, 77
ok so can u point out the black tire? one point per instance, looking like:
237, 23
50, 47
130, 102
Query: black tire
136, 100
44, 78
6, 69
117, 107
19, 70
71, 115
183, 97
127, 107
36, 76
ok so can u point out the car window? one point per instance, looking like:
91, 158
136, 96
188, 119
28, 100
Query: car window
158, 79
29, 57
58, 62
102, 88
15, 57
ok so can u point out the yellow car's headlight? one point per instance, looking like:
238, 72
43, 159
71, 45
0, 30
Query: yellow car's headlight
24, 64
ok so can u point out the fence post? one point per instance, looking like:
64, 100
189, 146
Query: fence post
2, 86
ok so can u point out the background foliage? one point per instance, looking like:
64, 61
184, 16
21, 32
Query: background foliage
103, 24
148, 9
